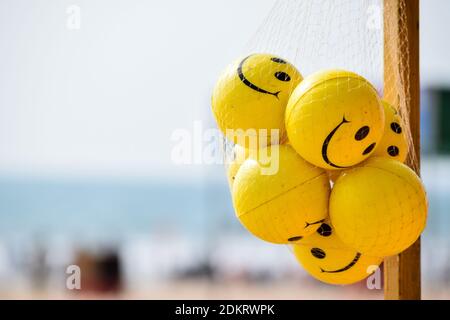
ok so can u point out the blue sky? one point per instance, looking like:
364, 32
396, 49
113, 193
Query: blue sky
105, 99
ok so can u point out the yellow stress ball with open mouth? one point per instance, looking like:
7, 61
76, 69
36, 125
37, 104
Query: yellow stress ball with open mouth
251, 95
379, 208
334, 119
394, 143
328, 259
282, 203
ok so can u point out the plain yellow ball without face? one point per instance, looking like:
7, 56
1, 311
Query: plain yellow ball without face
251, 95
394, 144
379, 208
334, 119
284, 206
328, 259
240, 155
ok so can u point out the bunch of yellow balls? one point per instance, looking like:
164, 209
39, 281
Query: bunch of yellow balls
319, 165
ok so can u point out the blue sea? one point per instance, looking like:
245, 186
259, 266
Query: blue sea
89, 211
111, 208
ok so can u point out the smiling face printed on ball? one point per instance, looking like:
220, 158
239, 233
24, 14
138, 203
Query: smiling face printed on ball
326, 258
251, 95
394, 144
334, 119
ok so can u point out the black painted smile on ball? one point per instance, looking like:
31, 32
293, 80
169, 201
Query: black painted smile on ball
326, 142
351, 264
282, 76
362, 133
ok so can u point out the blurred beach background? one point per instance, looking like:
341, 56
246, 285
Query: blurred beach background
87, 177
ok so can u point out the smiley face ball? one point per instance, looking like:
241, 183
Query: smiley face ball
250, 98
324, 256
334, 119
394, 143
379, 208
280, 198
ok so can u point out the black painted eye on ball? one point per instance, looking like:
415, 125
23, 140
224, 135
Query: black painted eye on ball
278, 60
324, 230
318, 253
393, 151
362, 133
282, 76
396, 127
369, 149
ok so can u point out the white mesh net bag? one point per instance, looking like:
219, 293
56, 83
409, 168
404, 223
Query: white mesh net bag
320, 95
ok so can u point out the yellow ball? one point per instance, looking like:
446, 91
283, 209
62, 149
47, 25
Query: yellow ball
334, 119
333, 175
379, 208
283, 205
328, 259
394, 143
252, 95
240, 155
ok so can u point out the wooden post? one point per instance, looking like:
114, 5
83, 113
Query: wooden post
402, 87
